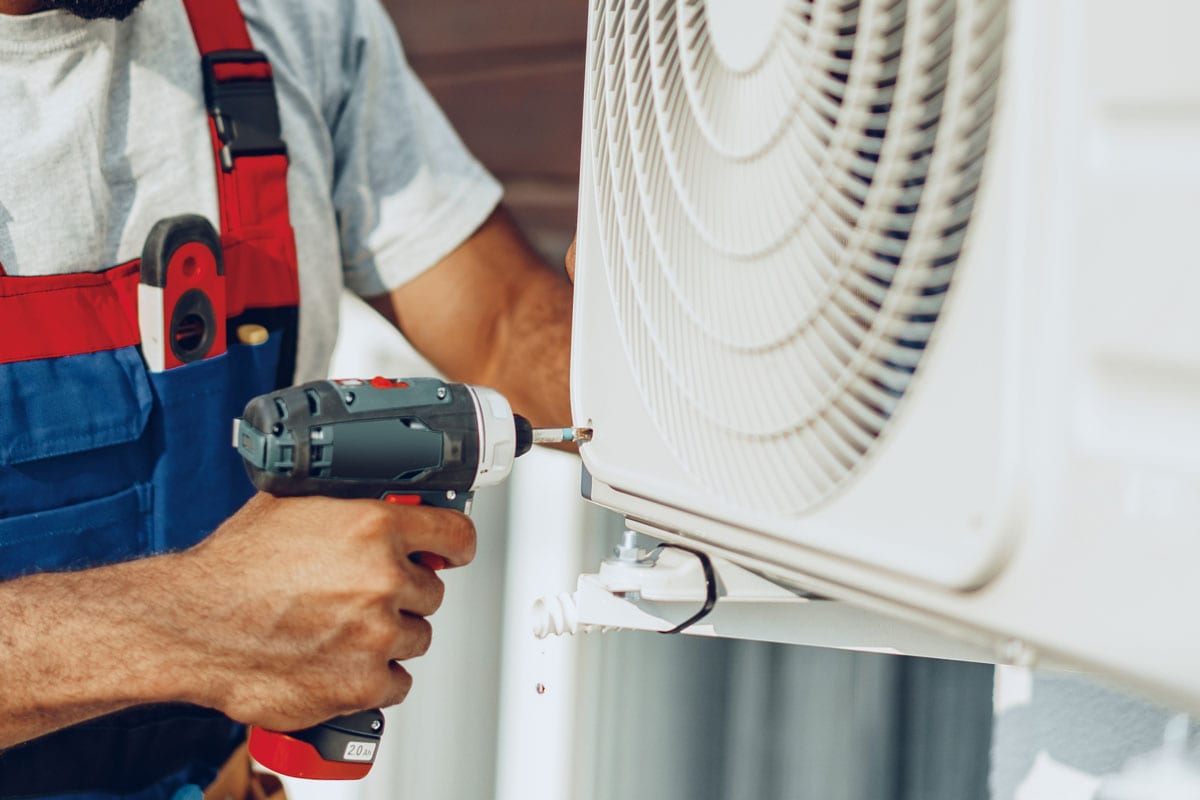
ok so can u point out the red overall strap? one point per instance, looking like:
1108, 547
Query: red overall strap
252, 186
218, 25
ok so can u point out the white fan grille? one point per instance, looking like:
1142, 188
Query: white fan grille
779, 239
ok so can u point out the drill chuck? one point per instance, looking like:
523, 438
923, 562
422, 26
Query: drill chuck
503, 436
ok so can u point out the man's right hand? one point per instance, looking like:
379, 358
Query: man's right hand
302, 607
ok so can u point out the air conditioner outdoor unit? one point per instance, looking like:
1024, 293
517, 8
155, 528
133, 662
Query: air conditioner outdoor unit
899, 302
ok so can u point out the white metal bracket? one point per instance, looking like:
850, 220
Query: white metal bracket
657, 591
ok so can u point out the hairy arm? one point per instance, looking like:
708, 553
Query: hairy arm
494, 314
252, 621
78, 645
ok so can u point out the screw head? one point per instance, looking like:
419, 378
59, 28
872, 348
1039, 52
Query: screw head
376, 724
277, 429
451, 494
348, 397
441, 393
1017, 653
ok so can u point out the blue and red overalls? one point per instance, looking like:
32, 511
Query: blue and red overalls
103, 459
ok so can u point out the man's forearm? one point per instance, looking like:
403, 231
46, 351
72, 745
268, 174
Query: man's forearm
270, 620
531, 364
493, 313
78, 645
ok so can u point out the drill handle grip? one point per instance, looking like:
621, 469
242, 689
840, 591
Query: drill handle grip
342, 748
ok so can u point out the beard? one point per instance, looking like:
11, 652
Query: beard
95, 9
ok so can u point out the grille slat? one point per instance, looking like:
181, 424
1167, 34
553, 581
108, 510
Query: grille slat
780, 239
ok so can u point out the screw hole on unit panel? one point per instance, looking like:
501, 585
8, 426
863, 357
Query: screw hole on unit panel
189, 266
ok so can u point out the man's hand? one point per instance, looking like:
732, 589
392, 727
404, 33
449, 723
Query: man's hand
310, 602
291, 613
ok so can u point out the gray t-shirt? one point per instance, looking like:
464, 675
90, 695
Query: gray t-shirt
103, 132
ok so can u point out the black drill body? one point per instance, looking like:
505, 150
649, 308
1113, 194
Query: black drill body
352, 438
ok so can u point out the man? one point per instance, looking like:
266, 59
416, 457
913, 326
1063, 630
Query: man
118, 675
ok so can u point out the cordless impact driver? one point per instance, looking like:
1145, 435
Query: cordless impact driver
409, 441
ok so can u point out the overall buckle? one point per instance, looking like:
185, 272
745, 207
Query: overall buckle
240, 94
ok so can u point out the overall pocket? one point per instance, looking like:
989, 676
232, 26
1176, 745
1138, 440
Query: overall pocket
87, 534
74, 468
199, 479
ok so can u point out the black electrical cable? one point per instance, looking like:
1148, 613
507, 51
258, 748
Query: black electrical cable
710, 588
